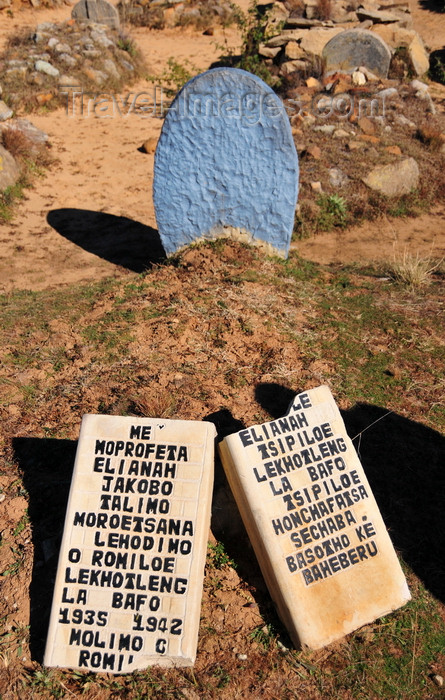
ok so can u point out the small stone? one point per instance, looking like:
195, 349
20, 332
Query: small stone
36, 79
40, 57
96, 76
387, 92
149, 146
358, 78
438, 680
369, 75
342, 86
394, 150
341, 134
292, 51
314, 83
418, 85
366, 125
314, 152
324, 104
47, 68
369, 138
67, 59
269, 51
426, 97
68, 81
5, 112
316, 187
376, 16
325, 128
242, 657
282, 39
18, 72
111, 68
337, 178
101, 39
309, 119
62, 48
92, 53
127, 65
356, 145
404, 121
46, 27
44, 98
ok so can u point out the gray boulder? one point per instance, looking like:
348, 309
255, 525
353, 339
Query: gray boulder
394, 179
9, 169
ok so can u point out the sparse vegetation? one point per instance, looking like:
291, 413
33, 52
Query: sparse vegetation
254, 31
113, 347
217, 556
174, 76
413, 270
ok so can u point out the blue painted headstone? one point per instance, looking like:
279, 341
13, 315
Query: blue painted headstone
226, 161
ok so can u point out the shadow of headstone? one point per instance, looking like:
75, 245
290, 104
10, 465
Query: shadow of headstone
119, 240
46, 465
404, 462
437, 65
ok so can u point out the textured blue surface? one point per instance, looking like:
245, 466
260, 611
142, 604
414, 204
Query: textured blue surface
225, 158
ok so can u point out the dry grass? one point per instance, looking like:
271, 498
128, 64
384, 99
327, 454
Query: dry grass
413, 270
17, 143
431, 136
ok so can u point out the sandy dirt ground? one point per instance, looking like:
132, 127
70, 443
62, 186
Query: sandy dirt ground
74, 223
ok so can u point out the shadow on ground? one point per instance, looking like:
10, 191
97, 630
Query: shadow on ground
437, 65
47, 466
119, 240
432, 5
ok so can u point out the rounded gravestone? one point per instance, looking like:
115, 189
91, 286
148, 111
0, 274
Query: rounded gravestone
226, 164
357, 47
97, 11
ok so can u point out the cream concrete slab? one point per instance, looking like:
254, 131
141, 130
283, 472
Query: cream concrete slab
131, 566
313, 521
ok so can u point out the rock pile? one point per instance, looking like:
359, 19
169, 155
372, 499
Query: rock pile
372, 144
297, 31
158, 14
39, 66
